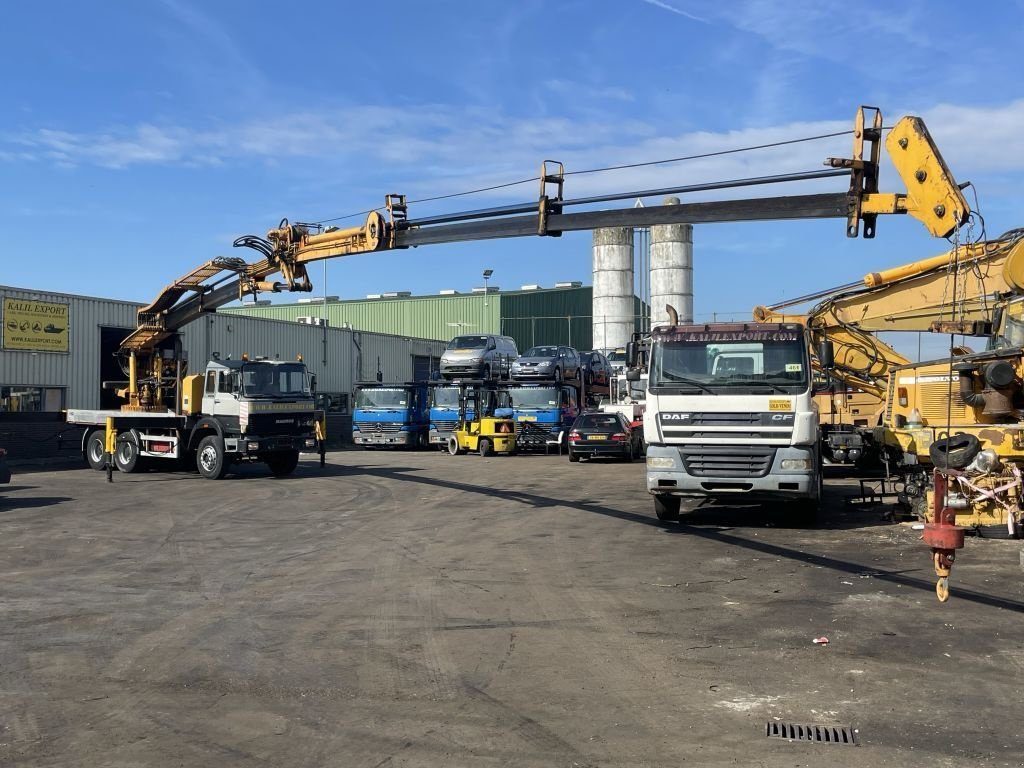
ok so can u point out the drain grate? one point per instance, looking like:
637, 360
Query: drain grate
819, 734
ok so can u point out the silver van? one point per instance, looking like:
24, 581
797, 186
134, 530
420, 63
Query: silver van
482, 356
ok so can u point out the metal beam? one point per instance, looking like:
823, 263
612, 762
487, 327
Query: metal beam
821, 206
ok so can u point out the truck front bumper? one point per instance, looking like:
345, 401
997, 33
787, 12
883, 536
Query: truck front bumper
791, 474
438, 437
252, 445
383, 438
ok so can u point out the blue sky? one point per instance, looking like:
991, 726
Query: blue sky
138, 139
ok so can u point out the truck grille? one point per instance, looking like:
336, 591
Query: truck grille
727, 460
383, 427
445, 426
279, 423
725, 419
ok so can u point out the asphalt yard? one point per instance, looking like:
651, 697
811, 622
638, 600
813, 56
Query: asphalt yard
419, 609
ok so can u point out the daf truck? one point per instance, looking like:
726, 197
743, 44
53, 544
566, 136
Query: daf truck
731, 415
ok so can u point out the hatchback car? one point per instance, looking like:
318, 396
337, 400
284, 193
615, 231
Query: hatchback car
596, 368
547, 362
604, 434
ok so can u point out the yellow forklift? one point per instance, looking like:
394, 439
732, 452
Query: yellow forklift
485, 424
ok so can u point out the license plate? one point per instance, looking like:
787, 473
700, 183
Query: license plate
780, 405
527, 418
598, 437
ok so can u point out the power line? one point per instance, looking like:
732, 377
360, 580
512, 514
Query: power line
586, 171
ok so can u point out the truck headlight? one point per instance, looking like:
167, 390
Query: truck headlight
311, 443
660, 462
253, 446
796, 464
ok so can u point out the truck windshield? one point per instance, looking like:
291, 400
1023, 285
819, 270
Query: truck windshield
275, 380
382, 398
534, 397
445, 397
468, 342
725, 361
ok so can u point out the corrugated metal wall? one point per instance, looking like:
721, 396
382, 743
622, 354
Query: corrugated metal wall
77, 370
553, 316
425, 317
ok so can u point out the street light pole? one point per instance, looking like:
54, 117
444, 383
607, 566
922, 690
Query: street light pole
487, 276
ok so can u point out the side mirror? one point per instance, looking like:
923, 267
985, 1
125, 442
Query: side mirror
826, 355
312, 383
633, 374
631, 354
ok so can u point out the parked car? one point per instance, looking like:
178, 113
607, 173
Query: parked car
604, 434
483, 356
547, 362
596, 368
5, 472
617, 358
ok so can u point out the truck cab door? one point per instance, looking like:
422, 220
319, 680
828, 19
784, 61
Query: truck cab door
225, 398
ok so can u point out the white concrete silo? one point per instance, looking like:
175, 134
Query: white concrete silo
613, 287
671, 270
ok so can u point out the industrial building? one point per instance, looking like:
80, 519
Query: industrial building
531, 315
58, 349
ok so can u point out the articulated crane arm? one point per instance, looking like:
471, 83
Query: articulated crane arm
955, 292
932, 197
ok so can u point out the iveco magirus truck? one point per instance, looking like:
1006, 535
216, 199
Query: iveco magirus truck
730, 415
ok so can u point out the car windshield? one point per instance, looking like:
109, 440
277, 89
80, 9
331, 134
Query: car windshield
541, 352
445, 397
380, 397
275, 380
534, 397
599, 421
714, 361
468, 342
617, 356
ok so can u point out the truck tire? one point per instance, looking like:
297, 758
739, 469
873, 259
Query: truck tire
954, 452
283, 463
666, 508
126, 453
95, 448
453, 446
484, 446
210, 459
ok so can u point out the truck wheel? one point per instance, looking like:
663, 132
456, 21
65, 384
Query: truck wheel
484, 447
126, 453
95, 447
210, 458
453, 446
666, 508
423, 441
283, 463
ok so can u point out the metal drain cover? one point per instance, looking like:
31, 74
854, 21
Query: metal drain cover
819, 734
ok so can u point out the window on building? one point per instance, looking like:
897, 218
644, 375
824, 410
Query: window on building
31, 399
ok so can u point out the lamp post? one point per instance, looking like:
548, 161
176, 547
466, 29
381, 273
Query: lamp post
487, 276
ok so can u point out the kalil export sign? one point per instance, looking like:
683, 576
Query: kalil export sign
38, 326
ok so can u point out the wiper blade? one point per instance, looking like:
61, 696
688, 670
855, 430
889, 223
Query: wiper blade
691, 382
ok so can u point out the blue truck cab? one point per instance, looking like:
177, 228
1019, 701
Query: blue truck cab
542, 411
390, 415
444, 413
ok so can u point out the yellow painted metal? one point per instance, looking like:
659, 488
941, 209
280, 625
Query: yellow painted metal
933, 196
501, 432
110, 436
192, 394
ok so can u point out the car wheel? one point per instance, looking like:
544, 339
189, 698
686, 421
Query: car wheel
573, 457
558, 374
95, 449
126, 453
666, 508
487, 373
484, 447
210, 459
589, 378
